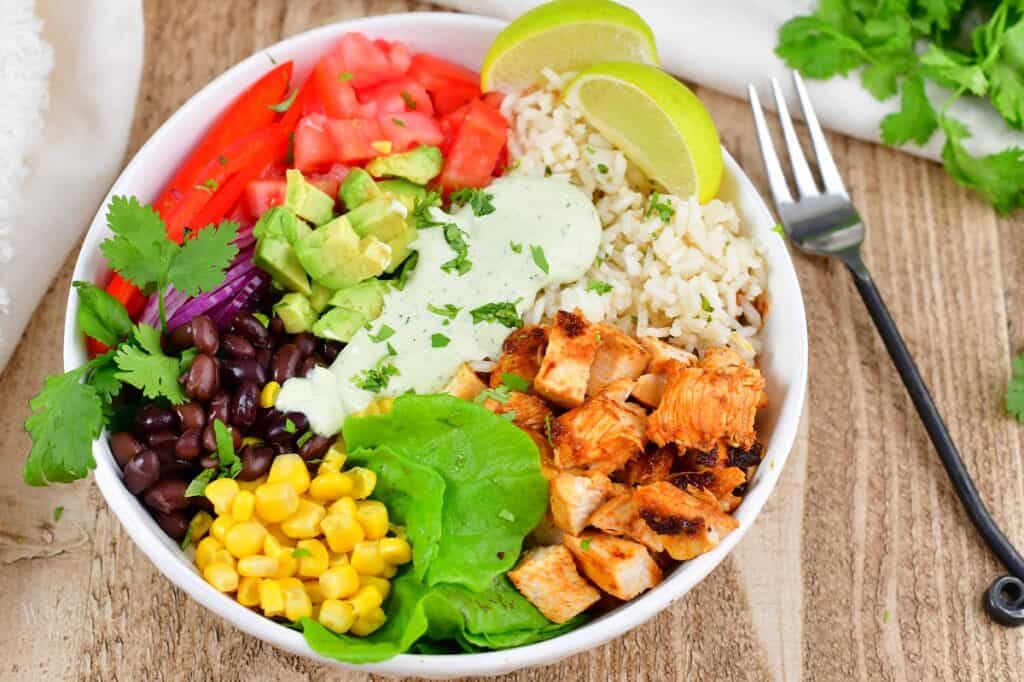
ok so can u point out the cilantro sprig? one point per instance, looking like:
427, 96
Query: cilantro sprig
500, 313
458, 240
477, 199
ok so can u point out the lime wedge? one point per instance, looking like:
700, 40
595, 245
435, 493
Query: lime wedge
565, 35
657, 122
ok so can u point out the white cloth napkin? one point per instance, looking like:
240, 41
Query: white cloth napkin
69, 71
726, 44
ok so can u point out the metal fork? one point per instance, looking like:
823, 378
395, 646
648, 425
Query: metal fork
825, 223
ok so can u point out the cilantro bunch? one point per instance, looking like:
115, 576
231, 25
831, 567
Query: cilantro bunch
970, 47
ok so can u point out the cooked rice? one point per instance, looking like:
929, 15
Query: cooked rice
663, 276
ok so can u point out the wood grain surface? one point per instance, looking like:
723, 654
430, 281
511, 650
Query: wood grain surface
862, 565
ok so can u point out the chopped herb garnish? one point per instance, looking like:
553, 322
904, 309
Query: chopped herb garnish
499, 394
514, 382
585, 545
376, 380
286, 104
187, 540
600, 287
634, 319
345, 76
398, 122
663, 208
289, 426
406, 270
705, 304
197, 488
547, 430
57, 513
439, 341
300, 552
391, 350
262, 319
458, 240
409, 101
779, 231
501, 313
222, 160
603, 168
421, 211
209, 185
516, 247
303, 439
547, 171
506, 515
447, 311
539, 258
590, 149
383, 334
478, 199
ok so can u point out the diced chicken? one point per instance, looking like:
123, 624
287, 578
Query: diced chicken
548, 578
465, 384
649, 389
521, 354
649, 465
716, 400
620, 567
662, 355
619, 516
619, 390
688, 522
618, 357
547, 455
601, 435
529, 411
719, 481
546, 532
575, 497
565, 370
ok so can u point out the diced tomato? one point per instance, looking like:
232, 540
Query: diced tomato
352, 139
450, 125
313, 147
366, 61
397, 96
330, 181
336, 94
436, 74
453, 96
474, 151
409, 130
261, 195
399, 55
494, 98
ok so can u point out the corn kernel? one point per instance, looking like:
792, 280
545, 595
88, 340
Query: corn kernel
222, 576
382, 146
329, 486
248, 591
243, 506
373, 517
315, 592
288, 565
379, 406
363, 482
336, 616
222, 492
276, 501
297, 604
344, 506
258, 566
389, 571
338, 559
380, 584
285, 583
221, 556
342, 531
305, 522
292, 469
199, 526
244, 539
365, 600
252, 485
272, 547
314, 560
220, 526
334, 458
368, 623
366, 558
268, 396
339, 582
283, 540
395, 550
271, 598
204, 551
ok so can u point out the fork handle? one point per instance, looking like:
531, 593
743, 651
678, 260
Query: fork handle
1004, 599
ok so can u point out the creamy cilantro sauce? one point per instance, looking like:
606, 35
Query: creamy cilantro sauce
531, 212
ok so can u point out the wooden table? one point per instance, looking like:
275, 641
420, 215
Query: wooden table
861, 566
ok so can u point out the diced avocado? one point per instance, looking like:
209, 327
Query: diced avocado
366, 298
307, 200
419, 165
295, 230
404, 191
320, 296
339, 324
358, 188
383, 218
277, 257
275, 222
335, 256
296, 312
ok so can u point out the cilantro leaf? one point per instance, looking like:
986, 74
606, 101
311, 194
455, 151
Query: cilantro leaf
1015, 390
997, 177
664, 208
539, 258
383, 334
230, 464
147, 368
478, 199
200, 263
500, 313
916, 118
407, 269
100, 315
285, 104
705, 304
421, 216
197, 486
514, 382
1005, 70
376, 379
447, 311
300, 552
818, 48
139, 250
516, 247
953, 70
439, 341
600, 287
458, 241
499, 394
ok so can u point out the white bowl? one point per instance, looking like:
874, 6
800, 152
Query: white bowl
463, 39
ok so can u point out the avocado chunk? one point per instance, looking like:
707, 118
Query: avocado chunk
400, 248
307, 200
276, 256
383, 218
358, 188
296, 230
419, 165
366, 298
335, 256
339, 324
296, 312
319, 297
404, 191
276, 221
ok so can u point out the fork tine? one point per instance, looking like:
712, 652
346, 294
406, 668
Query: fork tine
772, 167
801, 171
826, 165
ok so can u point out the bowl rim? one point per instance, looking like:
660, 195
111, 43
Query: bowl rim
161, 550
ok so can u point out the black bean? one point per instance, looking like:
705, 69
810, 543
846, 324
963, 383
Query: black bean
245, 406
203, 378
285, 363
180, 338
237, 346
204, 335
256, 461
142, 471
220, 407
263, 357
252, 329
276, 326
201, 502
174, 524
237, 370
300, 421
329, 349
315, 448
308, 364
189, 445
279, 431
162, 441
155, 418
191, 416
305, 342
283, 448
211, 461
167, 496
171, 465
124, 446
210, 438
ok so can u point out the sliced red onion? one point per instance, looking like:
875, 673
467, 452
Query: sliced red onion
252, 289
204, 302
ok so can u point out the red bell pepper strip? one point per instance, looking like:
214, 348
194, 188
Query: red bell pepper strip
249, 112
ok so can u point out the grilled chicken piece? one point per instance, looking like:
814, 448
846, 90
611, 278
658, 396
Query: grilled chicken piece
530, 411
719, 481
619, 516
575, 497
465, 384
688, 522
716, 400
565, 370
547, 455
618, 357
620, 567
521, 354
600, 435
649, 389
649, 465
548, 578
662, 355
619, 390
